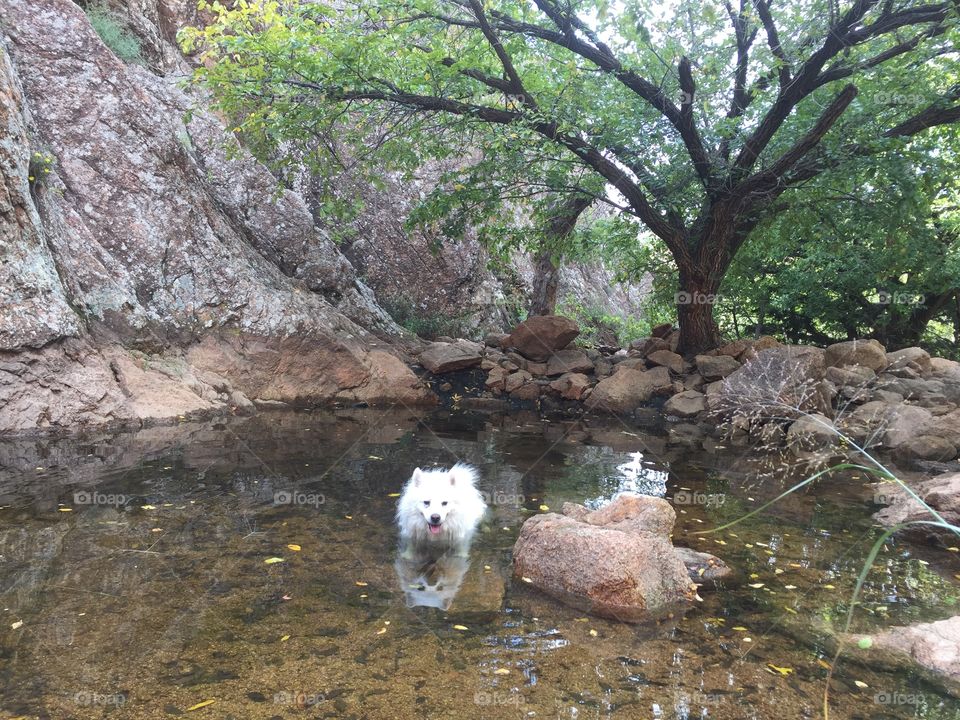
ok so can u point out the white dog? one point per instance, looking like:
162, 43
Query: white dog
440, 508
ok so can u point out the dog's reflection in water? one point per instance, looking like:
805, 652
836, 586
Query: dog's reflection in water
430, 578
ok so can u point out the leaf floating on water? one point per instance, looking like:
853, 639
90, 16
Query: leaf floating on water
501, 671
273, 560
294, 547
865, 643
201, 705
17, 625
860, 684
544, 508
781, 670
460, 627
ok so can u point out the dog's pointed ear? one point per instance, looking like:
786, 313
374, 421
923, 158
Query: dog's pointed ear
417, 473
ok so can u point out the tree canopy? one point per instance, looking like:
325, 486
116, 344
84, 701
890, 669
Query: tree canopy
701, 120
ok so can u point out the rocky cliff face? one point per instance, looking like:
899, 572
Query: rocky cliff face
148, 272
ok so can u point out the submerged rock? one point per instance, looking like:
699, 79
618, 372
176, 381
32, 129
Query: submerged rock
932, 650
942, 493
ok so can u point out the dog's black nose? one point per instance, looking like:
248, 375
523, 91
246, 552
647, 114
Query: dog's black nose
435, 519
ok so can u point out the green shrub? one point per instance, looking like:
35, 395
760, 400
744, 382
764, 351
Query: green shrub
111, 29
599, 327
407, 315
41, 165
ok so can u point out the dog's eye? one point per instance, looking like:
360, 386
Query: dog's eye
426, 503
444, 503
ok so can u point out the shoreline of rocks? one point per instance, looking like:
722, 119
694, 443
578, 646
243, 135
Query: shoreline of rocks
750, 392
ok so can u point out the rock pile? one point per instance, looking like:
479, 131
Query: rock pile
759, 391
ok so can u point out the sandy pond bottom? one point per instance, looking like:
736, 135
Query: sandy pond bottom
250, 564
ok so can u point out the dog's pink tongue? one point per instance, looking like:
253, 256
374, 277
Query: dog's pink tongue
434, 529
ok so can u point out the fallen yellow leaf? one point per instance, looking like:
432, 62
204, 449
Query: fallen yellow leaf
593, 633
755, 586
284, 638
460, 627
381, 631
544, 508
823, 663
781, 670
501, 671
860, 684
294, 547
740, 628
150, 507
360, 583
64, 509
393, 495
201, 705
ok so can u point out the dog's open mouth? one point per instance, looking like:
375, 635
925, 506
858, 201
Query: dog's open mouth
434, 529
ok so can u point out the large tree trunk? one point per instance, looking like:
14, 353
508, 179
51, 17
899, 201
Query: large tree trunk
546, 271
546, 279
702, 266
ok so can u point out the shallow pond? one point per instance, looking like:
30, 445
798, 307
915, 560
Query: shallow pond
251, 562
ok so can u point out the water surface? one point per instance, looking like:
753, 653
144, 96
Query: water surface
252, 562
